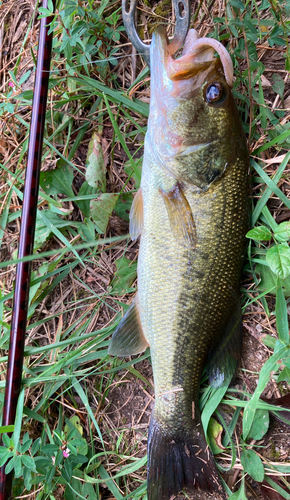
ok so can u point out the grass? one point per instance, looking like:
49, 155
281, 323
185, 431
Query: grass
82, 417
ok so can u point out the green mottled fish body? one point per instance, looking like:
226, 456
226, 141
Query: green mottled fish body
187, 296
191, 212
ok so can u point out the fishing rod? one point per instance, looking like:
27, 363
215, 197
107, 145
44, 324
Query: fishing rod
26, 239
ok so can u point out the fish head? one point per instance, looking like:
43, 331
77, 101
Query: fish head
194, 128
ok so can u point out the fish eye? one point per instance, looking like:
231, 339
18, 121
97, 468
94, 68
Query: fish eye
214, 92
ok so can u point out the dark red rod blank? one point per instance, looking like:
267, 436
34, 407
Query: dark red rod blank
26, 240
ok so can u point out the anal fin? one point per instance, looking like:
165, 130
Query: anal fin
136, 216
224, 359
128, 338
180, 216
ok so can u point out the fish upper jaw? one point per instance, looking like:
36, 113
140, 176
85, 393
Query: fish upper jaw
197, 55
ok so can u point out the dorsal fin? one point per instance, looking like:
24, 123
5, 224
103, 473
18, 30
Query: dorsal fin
128, 338
136, 216
180, 216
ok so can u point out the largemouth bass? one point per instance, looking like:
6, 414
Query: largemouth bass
191, 212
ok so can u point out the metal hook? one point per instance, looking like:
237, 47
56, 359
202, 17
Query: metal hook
182, 14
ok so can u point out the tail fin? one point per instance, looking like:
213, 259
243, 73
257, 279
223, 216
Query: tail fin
177, 462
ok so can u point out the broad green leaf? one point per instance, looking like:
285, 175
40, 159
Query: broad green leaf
214, 433
282, 316
102, 208
24, 77
5, 456
123, 205
9, 467
84, 205
10, 107
58, 180
76, 422
49, 477
238, 4
25, 445
68, 468
35, 447
252, 464
282, 232
260, 425
260, 233
6, 440
278, 258
96, 170
268, 281
49, 449
80, 445
284, 376
124, 276
27, 478
28, 461
278, 85
50, 6
87, 230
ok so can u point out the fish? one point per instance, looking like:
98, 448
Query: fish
191, 213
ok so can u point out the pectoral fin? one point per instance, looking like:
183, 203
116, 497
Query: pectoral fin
128, 338
224, 359
136, 216
180, 216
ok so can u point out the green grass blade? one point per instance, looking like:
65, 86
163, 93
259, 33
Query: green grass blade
251, 406
133, 104
270, 183
4, 216
62, 251
110, 483
277, 488
122, 142
211, 405
18, 418
82, 395
282, 315
276, 140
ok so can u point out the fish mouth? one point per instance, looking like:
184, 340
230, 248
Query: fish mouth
197, 56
